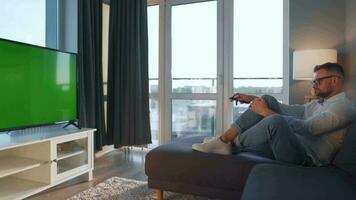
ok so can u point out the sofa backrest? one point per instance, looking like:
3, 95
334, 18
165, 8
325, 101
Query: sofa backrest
346, 157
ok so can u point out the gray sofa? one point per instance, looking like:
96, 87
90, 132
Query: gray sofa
176, 167
336, 181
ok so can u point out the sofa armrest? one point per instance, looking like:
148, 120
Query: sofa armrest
273, 181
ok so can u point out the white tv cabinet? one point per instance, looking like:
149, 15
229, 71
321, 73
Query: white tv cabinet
33, 160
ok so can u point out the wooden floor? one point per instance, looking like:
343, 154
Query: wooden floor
122, 163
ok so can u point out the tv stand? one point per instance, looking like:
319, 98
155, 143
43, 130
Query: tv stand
33, 160
74, 123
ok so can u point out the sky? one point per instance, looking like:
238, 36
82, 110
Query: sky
258, 35
23, 20
258, 39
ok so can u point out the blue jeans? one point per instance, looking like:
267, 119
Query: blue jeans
270, 136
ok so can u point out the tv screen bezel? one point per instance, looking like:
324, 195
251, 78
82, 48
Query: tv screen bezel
76, 89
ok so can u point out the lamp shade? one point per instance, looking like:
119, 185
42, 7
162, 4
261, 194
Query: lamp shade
305, 60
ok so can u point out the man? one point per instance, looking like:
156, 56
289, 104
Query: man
296, 134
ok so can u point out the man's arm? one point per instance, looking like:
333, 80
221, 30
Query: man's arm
296, 111
267, 105
333, 119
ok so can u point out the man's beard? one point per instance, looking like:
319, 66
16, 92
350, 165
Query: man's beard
323, 94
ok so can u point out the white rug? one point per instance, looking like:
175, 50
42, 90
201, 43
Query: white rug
117, 188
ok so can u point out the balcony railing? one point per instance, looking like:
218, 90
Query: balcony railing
251, 85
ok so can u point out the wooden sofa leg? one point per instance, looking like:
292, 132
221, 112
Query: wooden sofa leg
159, 194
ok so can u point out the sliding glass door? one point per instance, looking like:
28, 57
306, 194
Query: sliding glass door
258, 49
153, 65
192, 43
202, 51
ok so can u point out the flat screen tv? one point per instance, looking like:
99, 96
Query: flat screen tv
38, 86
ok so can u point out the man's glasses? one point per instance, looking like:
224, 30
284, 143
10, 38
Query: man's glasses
317, 81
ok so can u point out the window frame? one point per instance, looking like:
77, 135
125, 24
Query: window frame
225, 23
170, 96
228, 9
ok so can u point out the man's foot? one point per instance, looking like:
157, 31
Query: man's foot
213, 146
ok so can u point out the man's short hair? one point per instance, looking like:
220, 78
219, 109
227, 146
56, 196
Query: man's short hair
331, 67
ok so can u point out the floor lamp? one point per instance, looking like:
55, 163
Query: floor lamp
305, 60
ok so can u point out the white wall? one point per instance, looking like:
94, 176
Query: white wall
315, 24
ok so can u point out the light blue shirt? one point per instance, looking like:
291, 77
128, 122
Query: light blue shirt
321, 127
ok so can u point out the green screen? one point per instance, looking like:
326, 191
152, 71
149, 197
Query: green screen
37, 85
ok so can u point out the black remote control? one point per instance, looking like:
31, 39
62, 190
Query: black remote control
233, 99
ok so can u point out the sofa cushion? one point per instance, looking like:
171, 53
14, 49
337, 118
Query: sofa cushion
178, 163
346, 157
271, 181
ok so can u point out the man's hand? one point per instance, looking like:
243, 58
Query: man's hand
260, 107
243, 98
